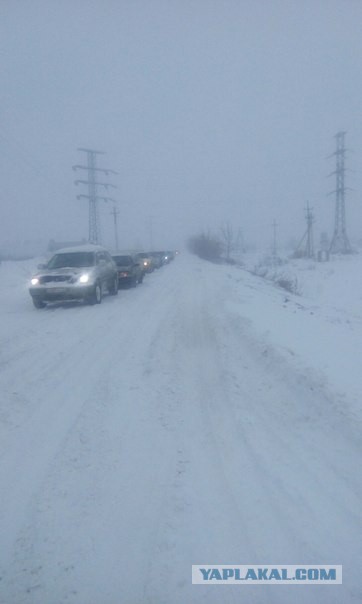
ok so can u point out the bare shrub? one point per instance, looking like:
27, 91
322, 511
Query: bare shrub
205, 246
290, 284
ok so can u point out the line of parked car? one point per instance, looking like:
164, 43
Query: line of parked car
86, 272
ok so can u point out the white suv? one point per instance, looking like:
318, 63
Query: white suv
78, 273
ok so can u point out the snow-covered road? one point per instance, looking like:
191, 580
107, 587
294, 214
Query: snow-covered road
161, 430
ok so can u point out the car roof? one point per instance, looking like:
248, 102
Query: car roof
122, 253
81, 248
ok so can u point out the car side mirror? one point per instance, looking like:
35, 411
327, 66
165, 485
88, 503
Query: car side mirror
41, 265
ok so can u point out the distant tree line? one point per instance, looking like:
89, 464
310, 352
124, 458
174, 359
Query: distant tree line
206, 246
213, 247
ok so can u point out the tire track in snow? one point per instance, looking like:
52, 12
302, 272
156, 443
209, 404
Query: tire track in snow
165, 463
30, 552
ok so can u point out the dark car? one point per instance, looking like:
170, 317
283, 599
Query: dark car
146, 261
129, 269
169, 255
157, 259
163, 257
79, 273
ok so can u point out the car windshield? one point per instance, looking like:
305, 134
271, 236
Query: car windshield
122, 260
72, 259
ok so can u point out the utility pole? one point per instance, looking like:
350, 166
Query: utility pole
308, 235
93, 197
150, 231
240, 241
228, 237
310, 244
274, 248
340, 242
115, 213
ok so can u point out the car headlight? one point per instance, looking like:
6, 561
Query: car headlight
84, 278
34, 281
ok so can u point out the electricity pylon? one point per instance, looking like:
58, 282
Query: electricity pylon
340, 242
93, 197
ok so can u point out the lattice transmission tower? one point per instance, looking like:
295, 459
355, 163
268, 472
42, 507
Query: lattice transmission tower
340, 242
93, 197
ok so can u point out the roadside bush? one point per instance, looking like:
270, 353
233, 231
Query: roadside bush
285, 280
288, 283
205, 246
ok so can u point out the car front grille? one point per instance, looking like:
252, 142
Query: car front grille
55, 279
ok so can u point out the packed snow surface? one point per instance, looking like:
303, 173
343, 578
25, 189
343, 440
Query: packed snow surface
204, 417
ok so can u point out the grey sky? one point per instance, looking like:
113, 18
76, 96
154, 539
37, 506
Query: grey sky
210, 110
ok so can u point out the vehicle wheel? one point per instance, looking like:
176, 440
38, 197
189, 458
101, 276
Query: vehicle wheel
134, 282
113, 287
96, 296
38, 303
141, 278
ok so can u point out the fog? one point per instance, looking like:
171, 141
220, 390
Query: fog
209, 110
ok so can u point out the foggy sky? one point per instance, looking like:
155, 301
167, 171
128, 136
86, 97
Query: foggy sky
209, 110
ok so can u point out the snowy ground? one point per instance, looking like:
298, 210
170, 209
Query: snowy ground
204, 417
